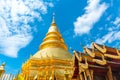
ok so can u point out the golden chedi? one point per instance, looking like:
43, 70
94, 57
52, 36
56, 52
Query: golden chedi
52, 61
2, 70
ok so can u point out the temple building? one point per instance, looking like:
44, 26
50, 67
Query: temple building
97, 63
52, 60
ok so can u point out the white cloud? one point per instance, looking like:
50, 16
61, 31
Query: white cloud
109, 18
117, 21
93, 12
15, 15
10, 45
105, 38
110, 37
113, 33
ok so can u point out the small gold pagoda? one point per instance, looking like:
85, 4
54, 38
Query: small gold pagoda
52, 61
2, 69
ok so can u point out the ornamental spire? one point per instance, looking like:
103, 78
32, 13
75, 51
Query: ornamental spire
53, 37
53, 19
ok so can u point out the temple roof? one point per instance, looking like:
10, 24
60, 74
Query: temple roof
98, 55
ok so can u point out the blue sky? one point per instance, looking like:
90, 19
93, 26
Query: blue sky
24, 23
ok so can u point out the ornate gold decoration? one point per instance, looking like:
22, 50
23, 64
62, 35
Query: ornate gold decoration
51, 59
117, 56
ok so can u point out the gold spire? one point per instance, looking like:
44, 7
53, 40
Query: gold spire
53, 37
53, 26
53, 19
2, 69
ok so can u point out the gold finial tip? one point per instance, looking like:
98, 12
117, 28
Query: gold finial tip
53, 20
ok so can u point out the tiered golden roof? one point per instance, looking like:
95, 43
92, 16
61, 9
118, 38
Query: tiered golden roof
53, 45
53, 38
97, 63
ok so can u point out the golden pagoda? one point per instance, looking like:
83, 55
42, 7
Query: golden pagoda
52, 61
2, 69
3, 75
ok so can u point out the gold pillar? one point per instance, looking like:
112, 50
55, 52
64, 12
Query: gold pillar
91, 73
81, 76
88, 74
109, 73
85, 77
